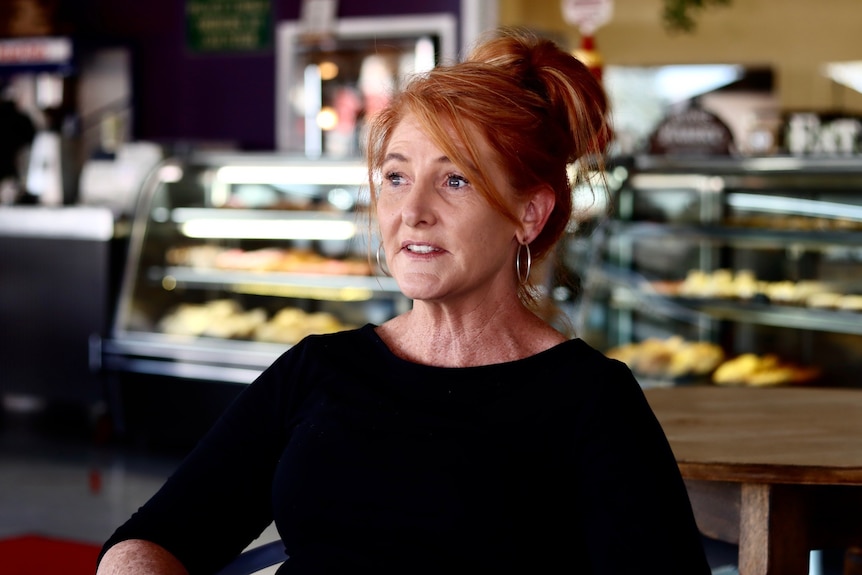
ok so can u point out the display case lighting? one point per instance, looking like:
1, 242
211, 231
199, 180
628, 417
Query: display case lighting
287, 229
170, 173
799, 206
306, 292
344, 175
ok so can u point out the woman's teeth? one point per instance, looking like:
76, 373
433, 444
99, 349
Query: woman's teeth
421, 249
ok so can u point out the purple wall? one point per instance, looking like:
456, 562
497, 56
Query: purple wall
192, 97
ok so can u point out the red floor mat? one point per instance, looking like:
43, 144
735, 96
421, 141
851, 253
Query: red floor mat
37, 555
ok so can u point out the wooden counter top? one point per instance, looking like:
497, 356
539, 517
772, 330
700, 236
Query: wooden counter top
776, 470
802, 435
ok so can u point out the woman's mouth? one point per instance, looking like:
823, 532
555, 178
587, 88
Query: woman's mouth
421, 248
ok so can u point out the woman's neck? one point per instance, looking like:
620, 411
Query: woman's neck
434, 335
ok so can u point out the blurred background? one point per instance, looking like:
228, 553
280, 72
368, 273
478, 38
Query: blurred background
182, 198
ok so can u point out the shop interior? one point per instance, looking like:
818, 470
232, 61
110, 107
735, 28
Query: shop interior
182, 199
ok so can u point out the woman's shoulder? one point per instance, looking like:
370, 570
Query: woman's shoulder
346, 338
315, 359
322, 349
578, 352
578, 371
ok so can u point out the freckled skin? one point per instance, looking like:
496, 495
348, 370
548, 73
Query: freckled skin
139, 557
454, 255
425, 200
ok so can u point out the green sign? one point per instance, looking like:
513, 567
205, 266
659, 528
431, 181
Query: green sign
228, 25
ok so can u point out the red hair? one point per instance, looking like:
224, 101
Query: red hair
537, 107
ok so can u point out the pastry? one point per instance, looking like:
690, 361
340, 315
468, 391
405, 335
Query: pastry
850, 302
761, 371
670, 358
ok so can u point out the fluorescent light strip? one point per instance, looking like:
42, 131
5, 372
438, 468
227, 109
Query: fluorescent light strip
311, 175
773, 164
306, 292
802, 206
269, 229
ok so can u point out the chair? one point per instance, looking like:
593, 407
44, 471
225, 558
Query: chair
256, 558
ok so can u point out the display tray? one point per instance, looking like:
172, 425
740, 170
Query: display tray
196, 277
743, 286
782, 374
675, 361
777, 315
279, 284
838, 321
201, 358
651, 382
738, 235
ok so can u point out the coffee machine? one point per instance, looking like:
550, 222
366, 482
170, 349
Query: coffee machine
71, 94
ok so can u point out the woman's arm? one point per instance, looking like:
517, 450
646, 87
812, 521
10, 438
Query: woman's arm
637, 515
139, 557
222, 491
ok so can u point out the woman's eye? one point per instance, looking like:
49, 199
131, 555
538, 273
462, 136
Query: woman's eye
456, 181
394, 178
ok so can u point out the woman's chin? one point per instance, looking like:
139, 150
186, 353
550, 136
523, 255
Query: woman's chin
418, 286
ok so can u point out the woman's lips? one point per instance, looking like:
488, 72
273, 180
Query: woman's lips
420, 248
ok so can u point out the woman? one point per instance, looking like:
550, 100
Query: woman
466, 433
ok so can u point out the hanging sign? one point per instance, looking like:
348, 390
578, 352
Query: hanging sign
317, 17
36, 54
587, 15
691, 131
228, 25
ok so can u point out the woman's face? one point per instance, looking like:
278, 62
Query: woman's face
442, 239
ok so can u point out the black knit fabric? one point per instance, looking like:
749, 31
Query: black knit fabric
370, 463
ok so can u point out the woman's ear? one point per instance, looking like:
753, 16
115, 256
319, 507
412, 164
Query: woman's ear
536, 212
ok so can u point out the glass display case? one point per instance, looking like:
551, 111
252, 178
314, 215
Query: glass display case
234, 258
329, 82
733, 271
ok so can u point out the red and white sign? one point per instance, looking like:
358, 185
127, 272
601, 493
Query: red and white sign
33, 51
587, 15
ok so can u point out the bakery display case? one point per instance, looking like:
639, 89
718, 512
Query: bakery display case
234, 258
733, 271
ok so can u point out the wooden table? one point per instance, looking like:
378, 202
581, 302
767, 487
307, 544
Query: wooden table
777, 471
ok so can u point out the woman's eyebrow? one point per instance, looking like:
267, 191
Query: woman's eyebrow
399, 157
395, 156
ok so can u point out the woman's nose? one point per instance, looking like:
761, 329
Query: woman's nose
418, 207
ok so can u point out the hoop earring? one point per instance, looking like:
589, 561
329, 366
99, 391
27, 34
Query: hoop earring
526, 276
381, 262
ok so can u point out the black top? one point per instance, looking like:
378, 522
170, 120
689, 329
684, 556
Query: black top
368, 462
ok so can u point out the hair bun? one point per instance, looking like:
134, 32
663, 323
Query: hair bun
574, 98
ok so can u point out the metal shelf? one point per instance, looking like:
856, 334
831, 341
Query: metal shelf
211, 359
741, 237
835, 321
795, 166
311, 286
633, 292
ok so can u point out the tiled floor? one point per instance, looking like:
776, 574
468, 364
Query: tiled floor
58, 480
63, 475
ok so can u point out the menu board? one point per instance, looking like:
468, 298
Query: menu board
228, 25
